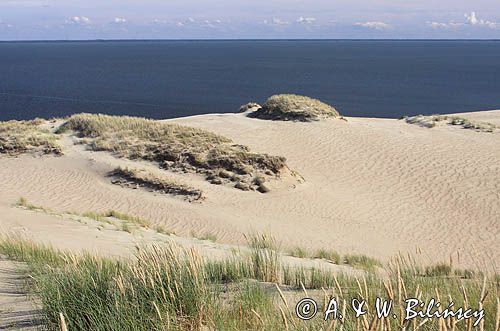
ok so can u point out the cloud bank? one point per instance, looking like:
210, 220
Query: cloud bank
374, 25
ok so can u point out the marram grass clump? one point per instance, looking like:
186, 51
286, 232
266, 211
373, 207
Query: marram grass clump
127, 177
166, 287
435, 120
19, 137
175, 147
291, 107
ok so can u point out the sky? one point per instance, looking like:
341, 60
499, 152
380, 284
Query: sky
249, 19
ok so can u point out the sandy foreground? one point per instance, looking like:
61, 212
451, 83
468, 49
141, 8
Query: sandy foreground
372, 186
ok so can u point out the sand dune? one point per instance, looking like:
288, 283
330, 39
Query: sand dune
372, 186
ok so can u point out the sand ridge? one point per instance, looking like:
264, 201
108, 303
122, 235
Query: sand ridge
372, 186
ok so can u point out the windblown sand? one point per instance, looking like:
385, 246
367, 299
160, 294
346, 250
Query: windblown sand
372, 186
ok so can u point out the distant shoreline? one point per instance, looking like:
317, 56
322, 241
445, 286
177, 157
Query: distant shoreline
244, 40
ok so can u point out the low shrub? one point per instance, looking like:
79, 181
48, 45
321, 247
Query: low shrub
291, 107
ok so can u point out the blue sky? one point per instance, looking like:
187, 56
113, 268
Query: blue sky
178, 19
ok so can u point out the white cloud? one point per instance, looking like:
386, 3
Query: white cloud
213, 23
159, 21
80, 20
119, 20
472, 19
306, 20
437, 25
276, 21
5, 25
209, 24
441, 25
374, 25
190, 22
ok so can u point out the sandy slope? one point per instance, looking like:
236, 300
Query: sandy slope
372, 186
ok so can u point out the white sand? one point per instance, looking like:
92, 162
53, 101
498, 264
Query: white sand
372, 186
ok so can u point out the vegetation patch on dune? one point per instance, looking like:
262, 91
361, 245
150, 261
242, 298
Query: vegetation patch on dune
23, 203
170, 288
358, 261
291, 107
435, 120
136, 178
125, 219
121, 221
175, 147
18, 137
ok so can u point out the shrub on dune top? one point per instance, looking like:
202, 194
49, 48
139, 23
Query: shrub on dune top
291, 107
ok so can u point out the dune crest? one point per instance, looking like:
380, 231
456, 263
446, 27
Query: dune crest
291, 107
371, 186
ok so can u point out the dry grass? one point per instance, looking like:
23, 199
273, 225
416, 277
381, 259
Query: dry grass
141, 178
166, 287
362, 262
174, 147
357, 261
23, 203
207, 236
18, 137
291, 107
434, 120
329, 255
126, 220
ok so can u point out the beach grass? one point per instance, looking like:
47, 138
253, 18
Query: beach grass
357, 261
23, 203
205, 236
19, 137
299, 252
292, 107
132, 177
361, 261
434, 120
126, 220
329, 255
166, 287
162, 229
174, 147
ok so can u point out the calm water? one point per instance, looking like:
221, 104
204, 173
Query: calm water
164, 79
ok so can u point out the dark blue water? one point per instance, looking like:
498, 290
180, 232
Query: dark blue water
164, 79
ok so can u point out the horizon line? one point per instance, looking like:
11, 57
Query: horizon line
246, 39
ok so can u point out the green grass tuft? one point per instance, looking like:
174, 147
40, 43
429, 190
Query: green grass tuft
329, 255
23, 203
362, 262
438, 270
169, 288
299, 252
